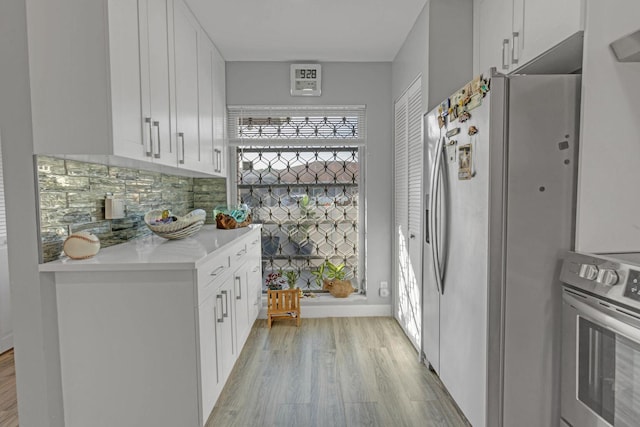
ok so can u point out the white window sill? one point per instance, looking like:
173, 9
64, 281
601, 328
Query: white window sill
326, 305
327, 299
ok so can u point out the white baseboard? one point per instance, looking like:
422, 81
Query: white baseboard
6, 343
341, 310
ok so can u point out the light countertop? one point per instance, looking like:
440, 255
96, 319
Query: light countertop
153, 252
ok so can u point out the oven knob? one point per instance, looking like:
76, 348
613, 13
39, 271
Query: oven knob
588, 271
607, 277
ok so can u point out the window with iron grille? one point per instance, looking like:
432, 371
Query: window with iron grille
305, 193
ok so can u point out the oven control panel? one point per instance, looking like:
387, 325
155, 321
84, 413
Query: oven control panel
616, 279
633, 285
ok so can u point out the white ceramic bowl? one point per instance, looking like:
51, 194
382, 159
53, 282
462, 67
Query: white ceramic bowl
184, 226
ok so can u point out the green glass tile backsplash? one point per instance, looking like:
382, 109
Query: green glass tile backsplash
72, 197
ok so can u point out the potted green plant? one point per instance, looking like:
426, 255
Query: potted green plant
336, 281
292, 278
318, 274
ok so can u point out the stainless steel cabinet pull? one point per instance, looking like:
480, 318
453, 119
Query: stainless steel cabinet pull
505, 51
256, 268
217, 271
149, 147
221, 319
515, 48
239, 296
255, 242
181, 135
226, 304
157, 125
218, 165
242, 252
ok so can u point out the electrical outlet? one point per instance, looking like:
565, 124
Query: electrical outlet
384, 293
384, 285
113, 208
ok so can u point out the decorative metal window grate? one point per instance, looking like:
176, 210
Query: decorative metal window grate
307, 199
296, 125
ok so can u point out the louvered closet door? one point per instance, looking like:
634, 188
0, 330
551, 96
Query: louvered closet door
408, 211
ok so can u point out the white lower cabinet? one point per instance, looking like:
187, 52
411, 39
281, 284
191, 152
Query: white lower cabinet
255, 289
154, 346
241, 299
225, 340
210, 384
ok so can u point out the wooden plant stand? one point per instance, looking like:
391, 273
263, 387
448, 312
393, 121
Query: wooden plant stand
283, 303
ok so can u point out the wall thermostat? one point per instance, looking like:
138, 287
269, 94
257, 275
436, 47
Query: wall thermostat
306, 79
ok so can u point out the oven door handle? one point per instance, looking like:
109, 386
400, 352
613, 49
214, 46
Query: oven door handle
608, 319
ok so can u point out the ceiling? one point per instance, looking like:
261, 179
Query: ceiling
307, 30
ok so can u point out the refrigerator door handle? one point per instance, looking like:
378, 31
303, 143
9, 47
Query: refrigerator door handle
426, 225
432, 197
434, 218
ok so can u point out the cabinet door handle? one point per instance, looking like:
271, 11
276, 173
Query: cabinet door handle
157, 126
242, 252
149, 142
255, 269
181, 136
515, 49
239, 296
217, 271
225, 313
255, 242
221, 319
505, 54
219, 155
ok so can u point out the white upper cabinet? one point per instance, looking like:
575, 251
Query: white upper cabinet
220, 140
494, 31
125, 81
154, 75
186, 34
212, 103
197, 96
511, 33
205, 99
543, 24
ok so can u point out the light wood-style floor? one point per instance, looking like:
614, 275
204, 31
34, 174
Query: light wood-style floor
8, 400
328, 372
332, 372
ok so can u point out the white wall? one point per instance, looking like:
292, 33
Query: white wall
33, 301
267, 83
608, 215
6, 330
440, 48
411, 60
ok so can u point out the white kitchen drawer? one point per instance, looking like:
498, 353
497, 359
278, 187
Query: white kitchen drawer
210, 272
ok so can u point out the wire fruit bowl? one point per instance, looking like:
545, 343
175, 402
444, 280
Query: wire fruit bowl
179, 228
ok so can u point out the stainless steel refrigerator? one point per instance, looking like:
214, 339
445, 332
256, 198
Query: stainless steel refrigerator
500, 176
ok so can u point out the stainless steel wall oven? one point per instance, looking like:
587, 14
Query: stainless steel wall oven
601, 340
